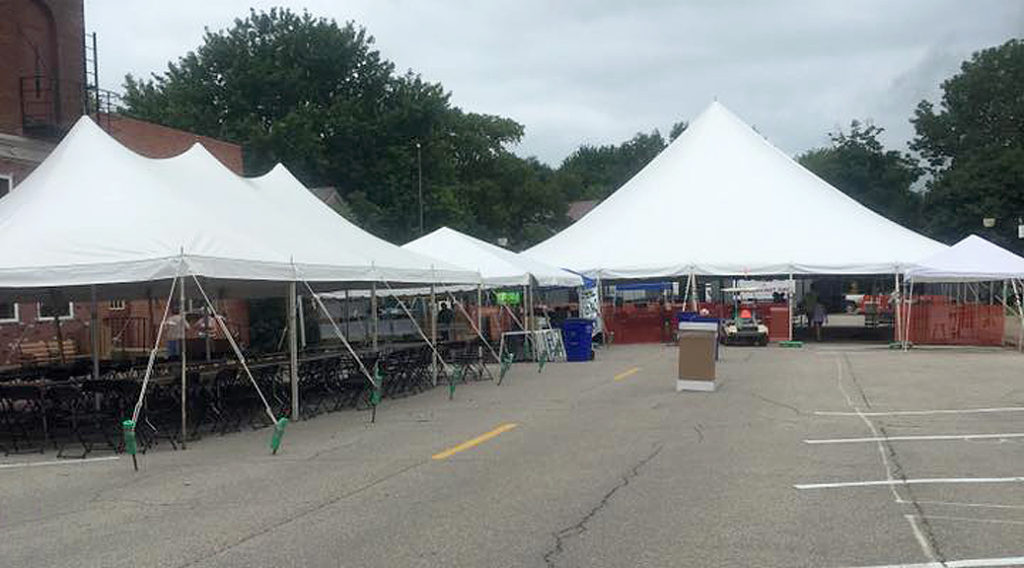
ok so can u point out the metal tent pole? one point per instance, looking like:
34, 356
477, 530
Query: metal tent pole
480, 313
433, 333
897, 301
348, 314
302, 321
909, 311
183, 348
94, 333
789, 297
293, 351
373, 313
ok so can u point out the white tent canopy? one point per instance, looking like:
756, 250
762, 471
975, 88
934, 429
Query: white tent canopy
973, 259
722, 200
96, 213
497, 266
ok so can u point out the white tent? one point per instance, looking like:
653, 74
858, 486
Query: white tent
497, 266
96, 213
722, 200
973, 259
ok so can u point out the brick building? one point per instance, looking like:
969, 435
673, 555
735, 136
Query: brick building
43, 91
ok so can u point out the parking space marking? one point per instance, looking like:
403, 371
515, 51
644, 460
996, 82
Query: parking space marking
957, 504
899, 482
970, 563
917, 438
627, 373
474, 442
920, 412
976, 520
58, 462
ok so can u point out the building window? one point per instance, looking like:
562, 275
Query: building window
6, 183
9, 312
116, 305
46, 311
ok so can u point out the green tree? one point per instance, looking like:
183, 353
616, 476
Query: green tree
857, 164
318, 97
974, 146
594, 172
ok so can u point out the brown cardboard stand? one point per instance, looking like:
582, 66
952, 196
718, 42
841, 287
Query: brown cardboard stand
697, 356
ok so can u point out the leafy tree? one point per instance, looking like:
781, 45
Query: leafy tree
857, 164
594, 172
318, 97
974, 146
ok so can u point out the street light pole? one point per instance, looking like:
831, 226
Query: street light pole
419, 175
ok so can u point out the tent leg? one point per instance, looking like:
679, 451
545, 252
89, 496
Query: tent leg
348, 314
293, 351
302, 321
789, 296
897, 308
480, 315
182, 339
373, 314
433, 333
94, 333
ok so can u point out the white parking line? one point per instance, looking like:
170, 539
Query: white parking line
917, 438
956, 504
920, 412
899, 482
970, 563
56, 462
975, 520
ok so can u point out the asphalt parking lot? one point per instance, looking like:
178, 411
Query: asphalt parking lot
831, 455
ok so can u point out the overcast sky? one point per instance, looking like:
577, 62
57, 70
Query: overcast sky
596, 72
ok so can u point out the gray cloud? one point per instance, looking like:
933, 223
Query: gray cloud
599, 71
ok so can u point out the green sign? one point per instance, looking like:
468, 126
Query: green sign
509, 298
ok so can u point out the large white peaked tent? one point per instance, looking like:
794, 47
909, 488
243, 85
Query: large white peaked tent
95, 213
722, 200
498, 266
973, 259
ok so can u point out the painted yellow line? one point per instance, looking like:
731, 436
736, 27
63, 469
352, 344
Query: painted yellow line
474, 442
626, 374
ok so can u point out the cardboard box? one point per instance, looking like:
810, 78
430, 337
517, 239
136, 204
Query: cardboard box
696, 356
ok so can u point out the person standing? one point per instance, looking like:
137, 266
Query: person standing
819, 317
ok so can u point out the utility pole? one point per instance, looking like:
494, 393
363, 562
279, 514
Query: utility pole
419, 175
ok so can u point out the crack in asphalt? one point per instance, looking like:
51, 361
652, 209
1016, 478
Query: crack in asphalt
790, 407
580, 526
700, 433
897, 470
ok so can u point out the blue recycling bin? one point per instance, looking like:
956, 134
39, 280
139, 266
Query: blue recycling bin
576, 334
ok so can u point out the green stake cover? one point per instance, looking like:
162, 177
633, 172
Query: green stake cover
275, 439
130, 445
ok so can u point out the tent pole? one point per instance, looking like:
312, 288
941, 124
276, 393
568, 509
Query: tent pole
183, 341
94, 333
910, 310
898, 299
433, 332
293, 351
1020, 313
209, 338
302, 321
373, 313
480, 314
57, 327
348, 314
789, 297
